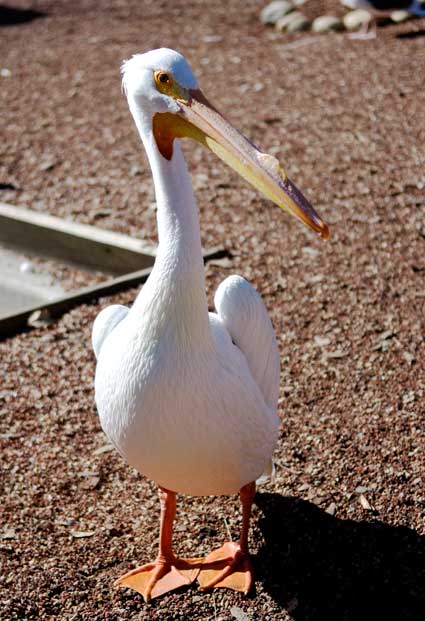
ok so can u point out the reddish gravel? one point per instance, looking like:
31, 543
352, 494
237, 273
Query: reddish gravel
340, 533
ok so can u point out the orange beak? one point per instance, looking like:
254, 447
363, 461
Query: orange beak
199, 120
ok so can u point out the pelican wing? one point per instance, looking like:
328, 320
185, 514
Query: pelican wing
104, 324
242, 312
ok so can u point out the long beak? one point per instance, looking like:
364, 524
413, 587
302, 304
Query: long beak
199, 120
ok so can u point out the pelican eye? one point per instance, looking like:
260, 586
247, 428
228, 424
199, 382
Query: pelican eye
166, 85
164, 81
164, 78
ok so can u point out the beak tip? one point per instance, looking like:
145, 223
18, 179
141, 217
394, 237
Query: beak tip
324, 231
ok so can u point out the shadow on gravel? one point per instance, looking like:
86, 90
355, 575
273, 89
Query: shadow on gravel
321, 568
415, 34
11, 16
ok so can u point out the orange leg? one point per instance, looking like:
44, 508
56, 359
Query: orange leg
168, 572
230, 565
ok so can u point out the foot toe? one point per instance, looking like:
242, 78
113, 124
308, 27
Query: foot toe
155, 579
229, 571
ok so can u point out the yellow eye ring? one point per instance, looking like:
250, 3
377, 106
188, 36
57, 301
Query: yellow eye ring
163, 78
166, 85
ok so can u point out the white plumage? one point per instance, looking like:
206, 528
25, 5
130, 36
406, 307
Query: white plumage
105, 322
191, 416
184, 405
189, 398
243, 313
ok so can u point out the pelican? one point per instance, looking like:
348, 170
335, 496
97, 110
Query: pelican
188, 397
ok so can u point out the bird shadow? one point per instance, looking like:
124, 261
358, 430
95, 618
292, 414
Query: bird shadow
320, 567
12, 16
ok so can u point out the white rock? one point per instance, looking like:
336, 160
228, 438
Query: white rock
322, 341
275, 10
400, 16
212, 38
327, 23
350, 4
293, 22
355, 19
26, 267
40, 318
310, 252
5, 73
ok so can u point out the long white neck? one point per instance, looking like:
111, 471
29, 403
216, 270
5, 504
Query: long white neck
174, 295
177, 214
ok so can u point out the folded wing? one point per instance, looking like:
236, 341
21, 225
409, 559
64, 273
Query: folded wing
242, 312
104, 324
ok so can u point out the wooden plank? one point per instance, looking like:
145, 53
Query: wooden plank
72, 242
18, 323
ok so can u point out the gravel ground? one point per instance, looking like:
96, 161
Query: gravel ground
339, 534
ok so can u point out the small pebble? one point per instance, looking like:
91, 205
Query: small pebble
331, 509
322, 341
338, 353
356, 19
327, 23
48, 164
400, 16
27, 267
135, 170
239, 614
361, 489
91, 482
409, 358
293, 22
196, 599
40, 318
5, 73
272, 12
106, 448
212, 39
310, 252
81, 534
365, 503
225, 262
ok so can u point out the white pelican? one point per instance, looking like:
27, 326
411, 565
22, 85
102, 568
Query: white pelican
189, 398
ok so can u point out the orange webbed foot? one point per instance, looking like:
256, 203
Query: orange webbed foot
155, 579
227, 567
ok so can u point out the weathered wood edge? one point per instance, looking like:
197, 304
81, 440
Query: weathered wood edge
73, 242
12, 324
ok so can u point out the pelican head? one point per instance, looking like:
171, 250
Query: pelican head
167, 103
